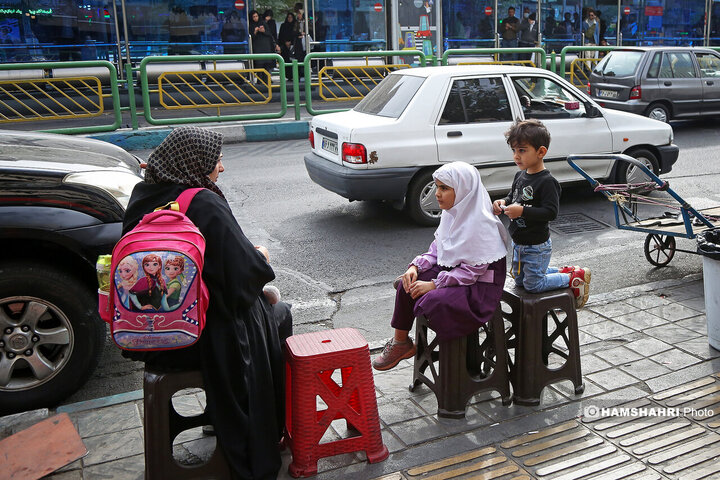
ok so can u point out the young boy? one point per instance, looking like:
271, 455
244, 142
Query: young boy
534, 201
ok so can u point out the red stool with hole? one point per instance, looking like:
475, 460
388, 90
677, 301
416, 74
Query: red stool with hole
311, 359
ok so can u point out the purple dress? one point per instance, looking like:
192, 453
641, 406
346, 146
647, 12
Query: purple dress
455, 308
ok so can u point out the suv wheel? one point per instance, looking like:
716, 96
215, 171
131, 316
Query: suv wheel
629, 173
658, 111
421, 201
51, 337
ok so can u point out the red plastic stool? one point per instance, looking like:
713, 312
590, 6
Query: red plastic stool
311, 359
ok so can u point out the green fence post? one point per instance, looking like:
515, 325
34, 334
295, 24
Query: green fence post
131, 96
553, 55
296, 87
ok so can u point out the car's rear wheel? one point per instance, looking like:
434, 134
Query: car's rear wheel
51, 336
629, 173
658, 111
421, 201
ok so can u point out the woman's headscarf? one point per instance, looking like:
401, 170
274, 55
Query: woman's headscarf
469, 232
187, 156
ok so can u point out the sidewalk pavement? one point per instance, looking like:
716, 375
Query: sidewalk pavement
643, 347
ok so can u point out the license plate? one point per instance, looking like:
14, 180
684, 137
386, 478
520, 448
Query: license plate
608, 93
330, 145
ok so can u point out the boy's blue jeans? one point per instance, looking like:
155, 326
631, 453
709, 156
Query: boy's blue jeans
531, 270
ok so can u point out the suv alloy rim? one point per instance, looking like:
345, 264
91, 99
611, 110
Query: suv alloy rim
36, 341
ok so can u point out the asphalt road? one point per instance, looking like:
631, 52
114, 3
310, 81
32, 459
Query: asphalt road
335, 259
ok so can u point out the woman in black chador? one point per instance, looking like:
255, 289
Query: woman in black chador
239, 350
262, 40
290, 39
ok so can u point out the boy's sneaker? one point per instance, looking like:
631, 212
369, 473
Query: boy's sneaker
393, 353
568, 269
580, 285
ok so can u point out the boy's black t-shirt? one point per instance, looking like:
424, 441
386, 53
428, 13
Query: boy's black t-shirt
539, 194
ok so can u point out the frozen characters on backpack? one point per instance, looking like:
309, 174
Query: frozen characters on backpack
174, 268
147, 293
458, 283
128, 271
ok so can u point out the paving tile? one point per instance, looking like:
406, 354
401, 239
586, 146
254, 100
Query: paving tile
11, 424
697, 324
640, 320
393, 443
418, 430
648, 346
644, 369
71, 475
587, 317
592, 364
618, 355
585, 339
684, 292
699, 347
673, 312
187, 405
189, 435
612, 310
198, 451
394, 382
131, 468
568, 389
612, 379
671, 334
648, 301
425, 399
108, 420
113, 446
496, 412
397, 411
675, 359
697, 303
606, 329
473, 419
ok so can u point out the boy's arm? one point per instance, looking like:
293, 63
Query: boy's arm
549, 195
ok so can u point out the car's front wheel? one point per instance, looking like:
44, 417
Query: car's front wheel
421, 201
51, 336
629, 173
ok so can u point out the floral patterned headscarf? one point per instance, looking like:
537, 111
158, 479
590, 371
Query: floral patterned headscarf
187, 156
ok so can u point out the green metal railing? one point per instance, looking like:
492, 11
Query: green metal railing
337, 55
208, 86
571, 48
74, 96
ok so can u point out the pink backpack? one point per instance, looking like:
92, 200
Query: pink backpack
157, 298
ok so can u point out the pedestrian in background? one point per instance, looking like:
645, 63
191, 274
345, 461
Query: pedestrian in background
509, 30
528, 35
262, 40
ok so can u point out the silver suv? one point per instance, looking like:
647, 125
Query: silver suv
663, 83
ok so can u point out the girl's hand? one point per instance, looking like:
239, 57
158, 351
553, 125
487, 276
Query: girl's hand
409, 277
498, 206
264, 251
514, 211
420, 288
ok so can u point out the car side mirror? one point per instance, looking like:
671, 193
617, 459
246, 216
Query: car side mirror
591, 111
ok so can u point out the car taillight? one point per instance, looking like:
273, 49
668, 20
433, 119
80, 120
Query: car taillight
588, 88
311, 137
635, 93
354, 153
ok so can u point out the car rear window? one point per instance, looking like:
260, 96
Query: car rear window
391, 96
620, 63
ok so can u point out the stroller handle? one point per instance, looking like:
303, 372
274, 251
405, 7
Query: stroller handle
618, 157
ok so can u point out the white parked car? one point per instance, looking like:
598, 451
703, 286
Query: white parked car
387, 147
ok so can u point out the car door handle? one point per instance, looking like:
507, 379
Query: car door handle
455, 133
709, 82
667, 84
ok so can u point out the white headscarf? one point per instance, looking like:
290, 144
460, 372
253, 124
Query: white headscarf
469, 232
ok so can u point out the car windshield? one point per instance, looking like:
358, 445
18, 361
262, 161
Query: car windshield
391, 96
621, 63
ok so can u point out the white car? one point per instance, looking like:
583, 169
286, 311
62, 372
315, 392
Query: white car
387, 147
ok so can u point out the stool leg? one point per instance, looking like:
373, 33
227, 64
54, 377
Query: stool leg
501, 357
451, 395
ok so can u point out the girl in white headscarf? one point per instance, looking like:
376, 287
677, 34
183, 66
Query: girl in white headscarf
458, 283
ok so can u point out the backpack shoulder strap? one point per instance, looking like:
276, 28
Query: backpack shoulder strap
186, 197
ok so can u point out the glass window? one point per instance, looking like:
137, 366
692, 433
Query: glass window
391, 96
476, 100
709, 64
654, 69
621, 63
677, 65
543, 98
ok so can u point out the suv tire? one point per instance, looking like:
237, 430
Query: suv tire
52, 316
421, 202
658, 111
629, 173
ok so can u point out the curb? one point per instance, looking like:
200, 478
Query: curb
151, 137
